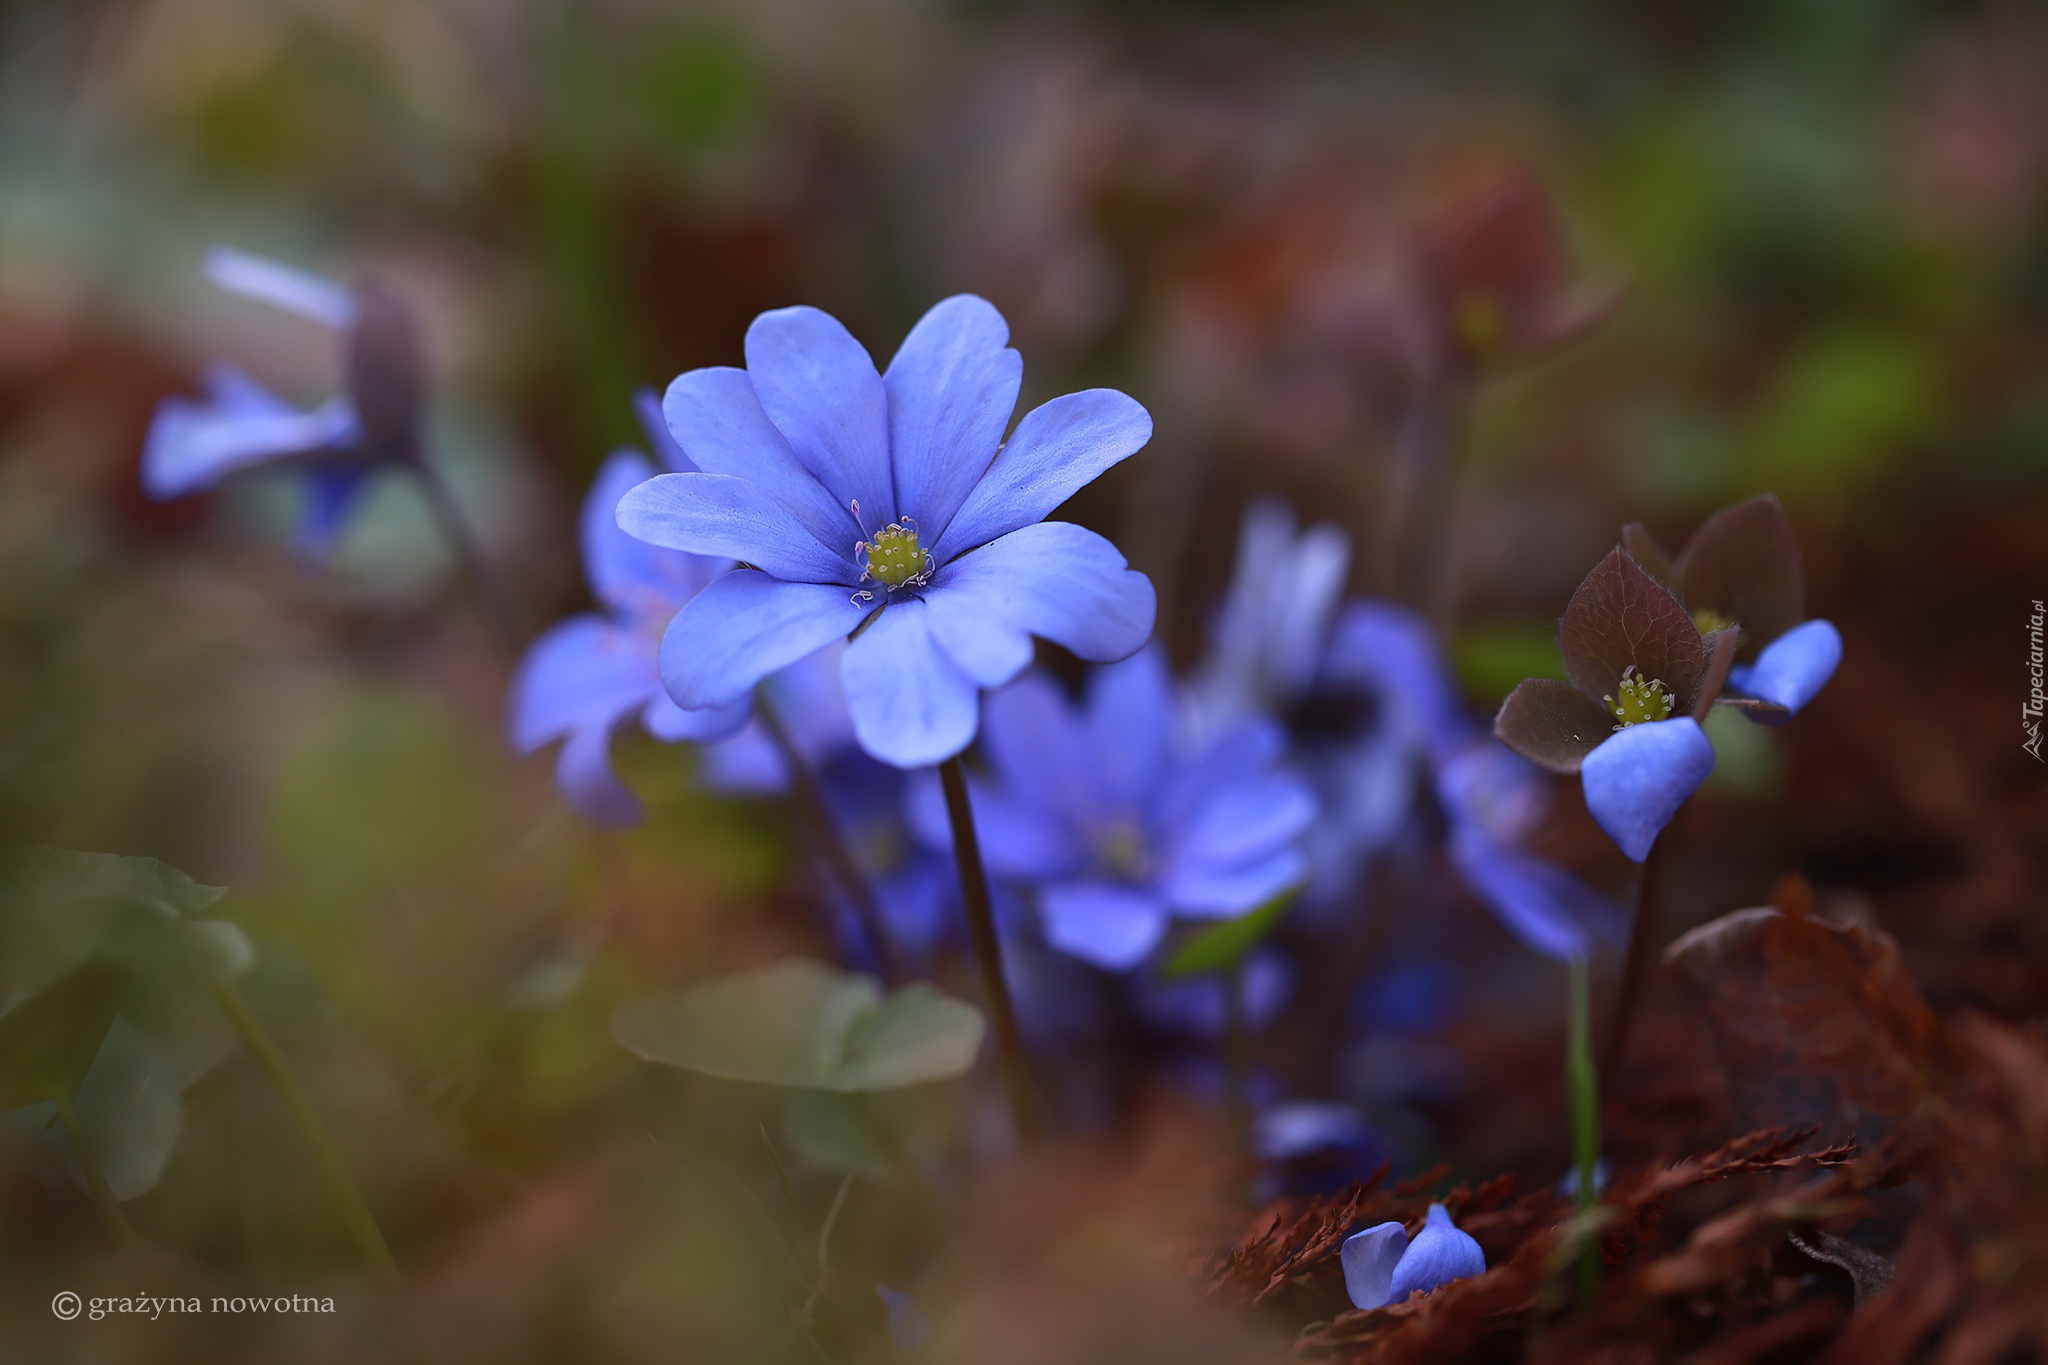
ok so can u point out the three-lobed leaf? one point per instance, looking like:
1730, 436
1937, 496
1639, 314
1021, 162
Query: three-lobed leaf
1743, 565
808, 1025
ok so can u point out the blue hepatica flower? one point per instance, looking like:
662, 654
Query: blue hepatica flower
1119, 832
1791, 669
239, 424
1382, 1266
589, 674
888, 506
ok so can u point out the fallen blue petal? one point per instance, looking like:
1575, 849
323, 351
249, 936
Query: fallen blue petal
1794, 667
1439, 1254
1370, 1260
1638, 778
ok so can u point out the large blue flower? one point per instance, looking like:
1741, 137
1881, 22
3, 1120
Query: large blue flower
590, 673
891, 506
1118, 831
239, 424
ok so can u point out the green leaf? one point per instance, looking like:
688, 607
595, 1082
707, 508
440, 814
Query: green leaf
808, 1025
132, 1108
47, 1043
1220, 947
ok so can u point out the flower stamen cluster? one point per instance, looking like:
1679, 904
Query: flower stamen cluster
894, 557
1641, 700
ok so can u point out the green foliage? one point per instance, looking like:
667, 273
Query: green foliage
808, 1025
1845, 405
1220, 947
107, 979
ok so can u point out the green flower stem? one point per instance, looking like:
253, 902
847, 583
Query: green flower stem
1641, 935
816, 819
1584, 1084
492, 595
362, 1228
981, 929
95, 1178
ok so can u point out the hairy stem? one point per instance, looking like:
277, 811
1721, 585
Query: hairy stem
493, 597
1642, 934
1584, 1084
815, 817
95, 1179
355, 1214
981, 929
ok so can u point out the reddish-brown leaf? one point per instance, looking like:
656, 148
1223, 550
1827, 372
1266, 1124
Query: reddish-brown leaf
1743, 564
1622, 617
1552, 723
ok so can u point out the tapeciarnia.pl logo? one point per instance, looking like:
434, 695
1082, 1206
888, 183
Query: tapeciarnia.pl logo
2031, 708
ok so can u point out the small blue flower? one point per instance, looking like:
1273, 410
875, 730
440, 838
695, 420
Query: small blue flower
1118, 831
1792, 668
239, 424
1382, 1266
909, 1328
590, 673
889, 507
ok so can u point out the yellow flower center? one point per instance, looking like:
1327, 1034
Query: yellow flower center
1641, 700
894, 557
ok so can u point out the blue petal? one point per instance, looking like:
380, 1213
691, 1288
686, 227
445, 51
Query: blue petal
1302, 1127
671, 724
1213, 891
716, 417
952, 387
582, 672
745, 626
331, 493
1369, 1259
908, 1326
1793, 668
583, 773
1110, 926
282, 286
1546, 907
1018, 839
1130, 714
1039, 747
192, 445
1439, 1254
1247, 820
1489, 786
716, 514
1637, 778
654, 426
647, 583
1058, 449
1245, 752
1059, 581
911, 706
988, 646
747, 762
819, 386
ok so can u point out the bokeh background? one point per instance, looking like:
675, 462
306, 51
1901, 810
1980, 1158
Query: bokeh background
1827, 222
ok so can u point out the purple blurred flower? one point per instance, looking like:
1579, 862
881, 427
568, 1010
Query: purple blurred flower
590, 673
193, 444
1371, 706
1118, 831
1382, 1266
889, 507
